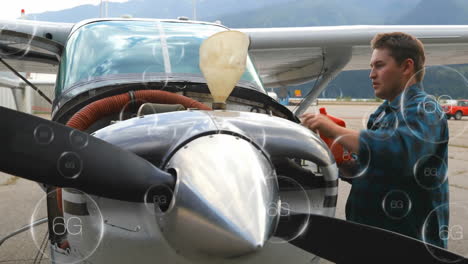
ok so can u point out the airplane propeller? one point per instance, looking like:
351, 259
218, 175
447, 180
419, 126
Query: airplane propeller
342, 241
47, 152
50, 153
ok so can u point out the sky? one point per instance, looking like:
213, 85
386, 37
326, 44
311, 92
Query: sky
12, 9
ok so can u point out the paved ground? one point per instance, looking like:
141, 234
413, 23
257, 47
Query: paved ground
19, 197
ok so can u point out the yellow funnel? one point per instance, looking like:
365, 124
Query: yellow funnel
223, 57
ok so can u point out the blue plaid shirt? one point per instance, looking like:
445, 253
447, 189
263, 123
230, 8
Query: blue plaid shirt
403, 163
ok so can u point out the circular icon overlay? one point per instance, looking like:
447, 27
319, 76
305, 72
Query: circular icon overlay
154, 75
158, 199
430, 172
396, 204
290, 225
351, 164
164, 133
43, 134
256, 133
384, 121
75, 228
450, 108
453, 235
147, 109
17, 49
365, 118
428, 112
78, 139
446, 102
131, 109
431, 110
70, 165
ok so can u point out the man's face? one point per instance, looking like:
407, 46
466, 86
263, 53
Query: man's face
386, 75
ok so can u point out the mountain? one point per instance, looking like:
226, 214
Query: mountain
156, 9
290, 13
448, 81
320, 13
281, 13
436, 12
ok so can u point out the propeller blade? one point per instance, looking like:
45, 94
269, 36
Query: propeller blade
342, 241
47, 152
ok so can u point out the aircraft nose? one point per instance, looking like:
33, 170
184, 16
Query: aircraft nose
225, 202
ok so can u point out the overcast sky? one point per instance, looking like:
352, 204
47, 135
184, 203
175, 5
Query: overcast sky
12, 9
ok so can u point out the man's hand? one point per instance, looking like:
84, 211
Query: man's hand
345, 136
321, 123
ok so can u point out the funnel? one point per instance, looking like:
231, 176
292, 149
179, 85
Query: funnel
223, 58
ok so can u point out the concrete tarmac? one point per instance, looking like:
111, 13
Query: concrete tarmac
19, 197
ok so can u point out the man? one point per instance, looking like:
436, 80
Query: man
400, 180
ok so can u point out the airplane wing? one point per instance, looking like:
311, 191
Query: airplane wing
283, 56
292, 56
32, 46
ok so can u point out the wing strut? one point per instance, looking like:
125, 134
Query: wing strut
26, 81
337, 58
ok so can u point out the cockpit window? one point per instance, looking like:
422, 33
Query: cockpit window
136, 50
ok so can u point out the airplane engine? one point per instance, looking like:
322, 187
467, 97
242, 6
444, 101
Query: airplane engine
230, 167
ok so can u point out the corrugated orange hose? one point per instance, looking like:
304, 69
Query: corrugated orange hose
114, 104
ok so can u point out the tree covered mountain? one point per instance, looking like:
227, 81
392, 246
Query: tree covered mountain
291, 13
321, 13
446, 81
158, 9
436, 12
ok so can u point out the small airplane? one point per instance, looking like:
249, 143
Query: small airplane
165, 147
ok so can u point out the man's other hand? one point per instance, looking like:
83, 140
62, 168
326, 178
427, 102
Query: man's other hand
327, 128
321, 123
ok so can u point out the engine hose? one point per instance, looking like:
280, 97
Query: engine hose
83, 119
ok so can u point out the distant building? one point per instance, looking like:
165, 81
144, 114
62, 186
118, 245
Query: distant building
17, 95
7, 98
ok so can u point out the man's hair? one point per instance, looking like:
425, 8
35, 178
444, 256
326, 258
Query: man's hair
402, 46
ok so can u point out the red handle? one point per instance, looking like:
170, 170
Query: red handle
337, 149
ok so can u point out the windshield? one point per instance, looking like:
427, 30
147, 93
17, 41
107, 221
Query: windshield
140, 49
